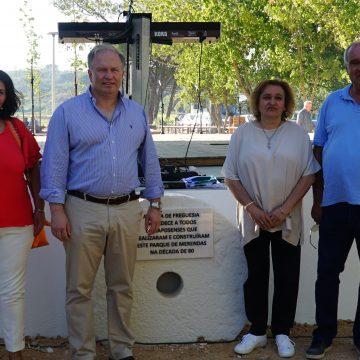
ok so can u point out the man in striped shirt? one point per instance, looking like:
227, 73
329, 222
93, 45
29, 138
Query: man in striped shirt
89, 176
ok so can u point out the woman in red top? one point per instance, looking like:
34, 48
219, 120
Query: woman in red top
19, 155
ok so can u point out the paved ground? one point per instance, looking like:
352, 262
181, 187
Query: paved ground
57, 349
201, 150
205, 152
175, 145
171, 146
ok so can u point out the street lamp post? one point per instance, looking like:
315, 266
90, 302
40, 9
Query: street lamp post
33, 126
75, 72
162, 112
162, 108
53, 72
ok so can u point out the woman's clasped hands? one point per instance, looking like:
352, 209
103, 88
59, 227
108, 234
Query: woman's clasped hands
266, 221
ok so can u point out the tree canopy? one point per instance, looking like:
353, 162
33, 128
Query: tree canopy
301, 41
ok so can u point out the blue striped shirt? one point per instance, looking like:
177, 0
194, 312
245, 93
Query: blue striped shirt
86, 152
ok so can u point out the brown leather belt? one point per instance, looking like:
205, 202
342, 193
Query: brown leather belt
111, 200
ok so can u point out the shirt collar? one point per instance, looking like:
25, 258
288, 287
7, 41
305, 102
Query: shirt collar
93, 99
345, 93
120, 105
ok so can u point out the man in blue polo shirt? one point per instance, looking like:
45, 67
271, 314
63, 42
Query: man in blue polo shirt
336, 204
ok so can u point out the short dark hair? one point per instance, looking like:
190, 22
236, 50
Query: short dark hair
347, 50
12, 97
104, 47
289, 98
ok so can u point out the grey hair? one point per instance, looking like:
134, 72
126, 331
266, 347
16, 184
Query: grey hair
104, 47
347, 50
307, 102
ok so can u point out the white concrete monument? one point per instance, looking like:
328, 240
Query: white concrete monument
188, 287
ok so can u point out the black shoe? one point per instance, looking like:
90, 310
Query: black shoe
317, 349
127, 358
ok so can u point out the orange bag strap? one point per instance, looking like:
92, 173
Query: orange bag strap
17, 139
14, 133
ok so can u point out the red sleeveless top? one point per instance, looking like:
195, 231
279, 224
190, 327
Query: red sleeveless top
15, 200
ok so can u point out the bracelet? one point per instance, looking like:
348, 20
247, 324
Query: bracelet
250, 203
282, 211
40, 210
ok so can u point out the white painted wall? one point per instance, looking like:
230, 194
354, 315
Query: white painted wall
45, 287
349, 278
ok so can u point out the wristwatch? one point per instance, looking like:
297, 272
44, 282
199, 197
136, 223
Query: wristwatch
155, 204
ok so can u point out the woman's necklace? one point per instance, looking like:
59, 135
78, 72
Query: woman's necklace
269, 138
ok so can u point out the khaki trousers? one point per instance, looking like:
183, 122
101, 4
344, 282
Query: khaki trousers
98, 230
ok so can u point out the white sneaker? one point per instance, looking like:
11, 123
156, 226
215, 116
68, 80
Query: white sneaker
286, 347
250, 342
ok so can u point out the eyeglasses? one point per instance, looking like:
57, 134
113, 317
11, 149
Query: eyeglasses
354, 63
314, 228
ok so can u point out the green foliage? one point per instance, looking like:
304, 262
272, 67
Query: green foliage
301, 41
64, 88
28, 20
84, 10
32, 38
33, 56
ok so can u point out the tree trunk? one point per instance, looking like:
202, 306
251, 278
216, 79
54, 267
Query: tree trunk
316, 80
152, 96
157, 101
171, 101
243, 83
215, 114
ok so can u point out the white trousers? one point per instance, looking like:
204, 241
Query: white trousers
15, 245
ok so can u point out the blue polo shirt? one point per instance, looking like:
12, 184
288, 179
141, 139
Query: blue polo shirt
338, 132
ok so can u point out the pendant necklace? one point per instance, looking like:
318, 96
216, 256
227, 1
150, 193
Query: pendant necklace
269, 138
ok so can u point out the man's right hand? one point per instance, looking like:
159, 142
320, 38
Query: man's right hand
60, 226
316, 212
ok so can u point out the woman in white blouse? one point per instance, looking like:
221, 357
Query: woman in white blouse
269, 168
